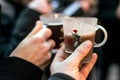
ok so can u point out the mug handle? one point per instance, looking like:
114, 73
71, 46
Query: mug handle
105, 36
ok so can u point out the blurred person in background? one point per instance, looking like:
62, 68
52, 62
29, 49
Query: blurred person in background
10, 10
108, 18
118, 10
77, 7
7, 20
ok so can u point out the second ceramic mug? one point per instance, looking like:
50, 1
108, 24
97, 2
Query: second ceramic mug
78, 29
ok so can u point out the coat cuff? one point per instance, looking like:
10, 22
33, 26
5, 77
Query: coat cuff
60, 76
20, 68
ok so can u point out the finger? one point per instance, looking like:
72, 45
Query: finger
60, 55
43, 34
37, 28
85, 70
81, 52
51, 44
48, 46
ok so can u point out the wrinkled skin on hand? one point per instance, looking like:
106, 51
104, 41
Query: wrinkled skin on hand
70, 65
36, 48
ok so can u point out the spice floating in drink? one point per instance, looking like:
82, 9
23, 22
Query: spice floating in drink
72, 41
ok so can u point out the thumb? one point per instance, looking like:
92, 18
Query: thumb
61, 55
80, 52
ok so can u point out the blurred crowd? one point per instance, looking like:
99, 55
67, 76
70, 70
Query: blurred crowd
19, 16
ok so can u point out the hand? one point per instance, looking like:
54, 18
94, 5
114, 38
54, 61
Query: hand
70, 65
36, 47
41, 6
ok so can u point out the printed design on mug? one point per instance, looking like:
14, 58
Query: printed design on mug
76, 37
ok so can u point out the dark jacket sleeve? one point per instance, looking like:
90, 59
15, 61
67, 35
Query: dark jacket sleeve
23, 26
13, 68
60, 76
25, 23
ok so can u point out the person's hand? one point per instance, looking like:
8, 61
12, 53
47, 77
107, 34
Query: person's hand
71, 65
41, 6
36, 48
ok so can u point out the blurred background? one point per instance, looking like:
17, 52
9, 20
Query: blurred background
18, 18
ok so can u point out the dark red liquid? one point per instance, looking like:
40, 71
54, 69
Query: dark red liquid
57, 34
70, 41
